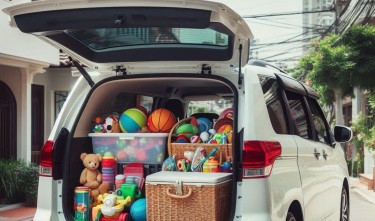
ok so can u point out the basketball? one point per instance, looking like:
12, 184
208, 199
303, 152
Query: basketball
161, 121
132, 120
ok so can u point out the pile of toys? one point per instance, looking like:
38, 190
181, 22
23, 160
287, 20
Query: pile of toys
135, 136
203, 133
95, 200
136, 120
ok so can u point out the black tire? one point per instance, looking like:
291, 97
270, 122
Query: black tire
344, 206
290, 217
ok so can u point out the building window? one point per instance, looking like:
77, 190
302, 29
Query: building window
60, 98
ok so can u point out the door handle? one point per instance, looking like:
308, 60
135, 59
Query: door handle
325, 155
316, 153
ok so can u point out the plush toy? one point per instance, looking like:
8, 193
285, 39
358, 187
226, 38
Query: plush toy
98, 126
111, 125
91, 176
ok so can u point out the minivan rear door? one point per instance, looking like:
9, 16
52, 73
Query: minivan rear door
157, 36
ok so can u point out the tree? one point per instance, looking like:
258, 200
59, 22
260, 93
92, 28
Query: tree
362, 40
339, 63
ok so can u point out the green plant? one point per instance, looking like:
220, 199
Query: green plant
10, 180
18, 181
370, 141
29, 181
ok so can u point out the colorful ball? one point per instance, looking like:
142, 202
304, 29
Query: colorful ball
161, 121
219, 138
132, 120
187, 129
226, 128
138, 210
204, 124
181, 138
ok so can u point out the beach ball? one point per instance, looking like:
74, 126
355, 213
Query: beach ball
219, 138
132, 120
138, 210
161, 121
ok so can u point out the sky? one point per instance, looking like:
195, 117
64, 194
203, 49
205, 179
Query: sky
272, 29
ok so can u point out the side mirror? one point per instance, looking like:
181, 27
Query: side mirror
342, 134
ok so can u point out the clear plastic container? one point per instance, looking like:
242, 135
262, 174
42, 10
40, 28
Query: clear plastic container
147, 148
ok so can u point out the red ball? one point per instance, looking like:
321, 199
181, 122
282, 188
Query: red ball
161, 121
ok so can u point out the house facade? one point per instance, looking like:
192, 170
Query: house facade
33, 86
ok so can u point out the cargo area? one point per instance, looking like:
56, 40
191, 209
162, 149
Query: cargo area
166, 144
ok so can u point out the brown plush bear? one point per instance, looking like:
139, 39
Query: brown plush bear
91, 177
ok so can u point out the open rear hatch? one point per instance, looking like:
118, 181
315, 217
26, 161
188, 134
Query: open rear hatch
136, 34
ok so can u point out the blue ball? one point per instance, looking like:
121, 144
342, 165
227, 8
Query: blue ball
132, 120
138, 210
204, 124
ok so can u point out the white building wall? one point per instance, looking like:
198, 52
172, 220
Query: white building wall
15, 43
54, 79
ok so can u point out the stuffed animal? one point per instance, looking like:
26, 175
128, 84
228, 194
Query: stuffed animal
111, 125
91, 177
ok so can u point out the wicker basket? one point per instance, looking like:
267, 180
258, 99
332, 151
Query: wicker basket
224, 152
197, 203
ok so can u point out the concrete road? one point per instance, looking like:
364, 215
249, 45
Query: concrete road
360, 208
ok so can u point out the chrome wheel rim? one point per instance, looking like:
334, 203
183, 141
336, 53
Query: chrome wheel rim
344, 206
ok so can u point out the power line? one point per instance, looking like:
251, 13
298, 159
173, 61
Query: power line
288, 13
283, 23
285, 41
279, 54
301, 41
299, 26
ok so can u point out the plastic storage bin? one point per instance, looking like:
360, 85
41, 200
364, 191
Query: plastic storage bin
147, 148
190, 196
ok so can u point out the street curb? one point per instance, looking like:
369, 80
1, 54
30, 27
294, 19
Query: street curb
364, 195
12, 206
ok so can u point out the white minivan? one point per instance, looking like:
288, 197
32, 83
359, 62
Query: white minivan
286, 162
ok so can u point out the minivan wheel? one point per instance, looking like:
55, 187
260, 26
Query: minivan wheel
344, 205
290, 217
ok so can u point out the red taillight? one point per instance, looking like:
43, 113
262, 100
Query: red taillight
258, 158
45, 165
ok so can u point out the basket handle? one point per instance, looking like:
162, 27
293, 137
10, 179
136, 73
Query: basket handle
172, 131
177, 196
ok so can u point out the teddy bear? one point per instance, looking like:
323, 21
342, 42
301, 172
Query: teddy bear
91, 177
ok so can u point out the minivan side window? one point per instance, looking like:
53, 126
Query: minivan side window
274, 105
319, 122
298, 114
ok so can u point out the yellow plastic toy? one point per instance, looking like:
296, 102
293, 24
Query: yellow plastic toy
111, 206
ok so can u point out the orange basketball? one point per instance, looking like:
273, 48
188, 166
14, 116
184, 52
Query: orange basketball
161, 121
